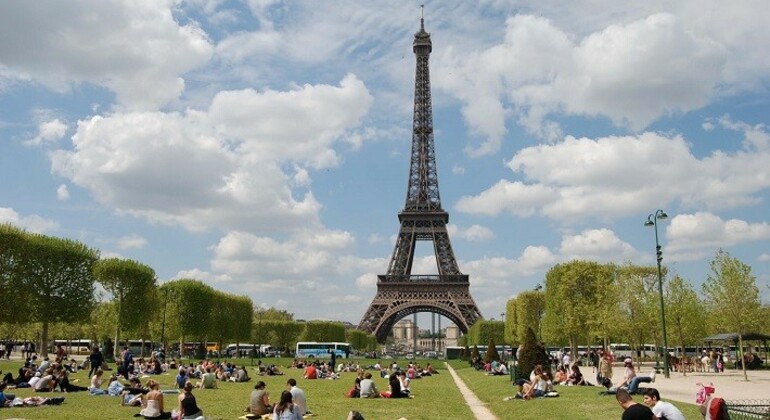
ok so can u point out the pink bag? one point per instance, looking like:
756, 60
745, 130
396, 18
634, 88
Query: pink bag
703, 392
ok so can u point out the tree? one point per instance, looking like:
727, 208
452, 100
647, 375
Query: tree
573, 291
532, 354
491, 354
323, 331
189, 309
12, 242
131, 284
283, 334
639, 303
482, 331
684, 313
360, 340
57, 276
733, 296
511, 321
530, 308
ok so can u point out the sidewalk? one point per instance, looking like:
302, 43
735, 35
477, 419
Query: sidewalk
729, 385
480, 411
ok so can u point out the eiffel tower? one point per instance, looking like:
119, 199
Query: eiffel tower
400, 293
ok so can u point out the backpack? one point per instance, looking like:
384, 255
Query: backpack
717, 409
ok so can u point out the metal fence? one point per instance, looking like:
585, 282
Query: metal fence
748, 409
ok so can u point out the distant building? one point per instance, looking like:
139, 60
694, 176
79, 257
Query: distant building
404, 332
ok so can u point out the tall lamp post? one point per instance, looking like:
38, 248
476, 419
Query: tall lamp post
163, 325
652, 220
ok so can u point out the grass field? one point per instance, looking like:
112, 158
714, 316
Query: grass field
436, 397
574, 403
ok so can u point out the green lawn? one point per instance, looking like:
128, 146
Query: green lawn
435, 397
574, 403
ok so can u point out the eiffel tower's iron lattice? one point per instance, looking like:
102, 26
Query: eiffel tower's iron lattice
399, 292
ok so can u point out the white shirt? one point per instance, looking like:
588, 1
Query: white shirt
298, 397
669, 411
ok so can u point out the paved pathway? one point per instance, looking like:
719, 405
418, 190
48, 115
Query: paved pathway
477, 407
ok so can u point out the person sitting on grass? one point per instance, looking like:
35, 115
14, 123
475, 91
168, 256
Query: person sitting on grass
535, 389
96, 383
368, 389
662, 410
5, 399
115, 387
188, 407
576, 377
181, 378
47, 382
632, 410
355, 392
310, 372
153, 403
286, 409
64, 383
394, 388
241, 375
298, 396
629, 375
560, 377
259, 403
209, 380
499, 369
633, 386
405, 383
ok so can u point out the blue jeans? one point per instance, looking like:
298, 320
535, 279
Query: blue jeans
633, 386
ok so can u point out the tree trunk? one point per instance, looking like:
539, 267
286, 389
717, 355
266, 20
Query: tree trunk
117, 329
43, 348
743, 357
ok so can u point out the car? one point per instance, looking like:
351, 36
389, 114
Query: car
410, 356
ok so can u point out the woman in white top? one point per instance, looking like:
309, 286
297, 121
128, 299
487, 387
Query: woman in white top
96, 383
153, 405
630, 373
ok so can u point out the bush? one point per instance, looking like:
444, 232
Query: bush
532, 353
491, 354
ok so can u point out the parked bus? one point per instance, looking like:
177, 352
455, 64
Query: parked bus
621, 350
245, 349
138, 347
315, 349
454, 352
73, 346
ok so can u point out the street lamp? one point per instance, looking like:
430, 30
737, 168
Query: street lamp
163, 325
652, 220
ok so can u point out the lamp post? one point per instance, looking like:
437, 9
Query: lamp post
163, 324
652, 220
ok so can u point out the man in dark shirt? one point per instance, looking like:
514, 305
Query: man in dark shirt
631, 409
95, 359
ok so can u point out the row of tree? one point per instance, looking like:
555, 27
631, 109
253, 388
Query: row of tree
49, 285
585, 302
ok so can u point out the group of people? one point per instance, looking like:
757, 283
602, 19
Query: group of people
364, 386
292, 404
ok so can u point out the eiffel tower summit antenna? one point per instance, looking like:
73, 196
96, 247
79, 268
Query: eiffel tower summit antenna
399, 292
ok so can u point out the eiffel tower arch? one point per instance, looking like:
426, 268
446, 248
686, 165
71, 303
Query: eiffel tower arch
399, 292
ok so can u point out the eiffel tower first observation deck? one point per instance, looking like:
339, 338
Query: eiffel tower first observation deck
400, 293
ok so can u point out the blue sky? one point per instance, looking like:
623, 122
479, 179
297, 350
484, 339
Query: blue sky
262, 146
